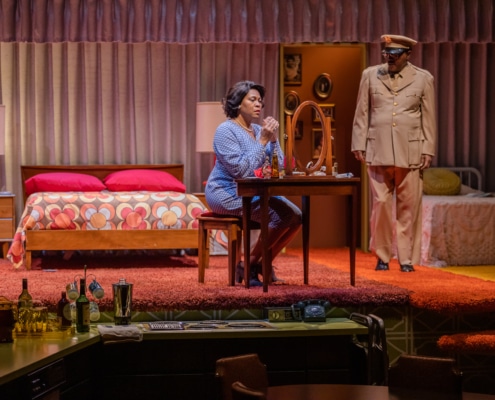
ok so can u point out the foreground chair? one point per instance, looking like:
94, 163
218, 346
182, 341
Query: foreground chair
434, 375
369, 352
242, 392
247, 369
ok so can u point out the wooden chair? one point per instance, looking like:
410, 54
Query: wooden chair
233, 226
436, 375
369, 352
242, 392
247, 369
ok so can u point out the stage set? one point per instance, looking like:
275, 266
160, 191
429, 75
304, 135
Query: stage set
418, 308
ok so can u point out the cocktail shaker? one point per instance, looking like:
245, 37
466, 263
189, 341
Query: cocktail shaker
122, 302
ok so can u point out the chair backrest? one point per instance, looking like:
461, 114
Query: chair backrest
426, 373
369, 352
247, 369
242, 392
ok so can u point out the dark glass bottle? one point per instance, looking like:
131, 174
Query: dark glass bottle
63, 311
82, 309
25, 299
275, 166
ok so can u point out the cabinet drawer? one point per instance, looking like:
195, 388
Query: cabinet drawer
6, 229
6, 207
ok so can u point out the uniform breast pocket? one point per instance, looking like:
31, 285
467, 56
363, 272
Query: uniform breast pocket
413, 99
377, 97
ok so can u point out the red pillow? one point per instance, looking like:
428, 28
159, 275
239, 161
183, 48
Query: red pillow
63, 182
143, 179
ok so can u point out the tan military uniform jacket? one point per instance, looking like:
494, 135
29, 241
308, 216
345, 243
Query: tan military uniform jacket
395, 126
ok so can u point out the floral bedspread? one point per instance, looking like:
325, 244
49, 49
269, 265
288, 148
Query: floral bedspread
140, 210
458, 230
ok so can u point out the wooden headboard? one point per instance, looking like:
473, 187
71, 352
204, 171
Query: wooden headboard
99, 171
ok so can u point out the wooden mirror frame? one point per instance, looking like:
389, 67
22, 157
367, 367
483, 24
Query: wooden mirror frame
326, 148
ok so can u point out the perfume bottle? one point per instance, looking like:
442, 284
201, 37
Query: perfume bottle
267, 168
275, 168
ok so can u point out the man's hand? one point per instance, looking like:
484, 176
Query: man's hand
425, 161
360, 155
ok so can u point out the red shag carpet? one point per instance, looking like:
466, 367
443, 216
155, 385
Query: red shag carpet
482, 342
164, 282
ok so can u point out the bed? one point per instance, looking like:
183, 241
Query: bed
104, 207
459, 229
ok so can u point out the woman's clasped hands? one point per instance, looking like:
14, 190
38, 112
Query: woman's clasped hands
269, 130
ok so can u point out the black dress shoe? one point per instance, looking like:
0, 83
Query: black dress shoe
381, 266
406, 268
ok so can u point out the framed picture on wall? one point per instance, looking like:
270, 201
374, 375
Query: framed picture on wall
328, 111
291, 102
292, 69
323, 86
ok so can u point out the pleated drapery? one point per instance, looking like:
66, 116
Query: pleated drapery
116, 81
245, 21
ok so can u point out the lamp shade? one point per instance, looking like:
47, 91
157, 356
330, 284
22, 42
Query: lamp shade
208, 116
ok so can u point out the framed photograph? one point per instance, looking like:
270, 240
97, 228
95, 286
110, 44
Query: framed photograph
323, 86
291, 102
292, 69
328, 110
298, 134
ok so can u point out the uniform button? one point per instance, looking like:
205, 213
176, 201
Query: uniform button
394, 124
395, 104
394, 114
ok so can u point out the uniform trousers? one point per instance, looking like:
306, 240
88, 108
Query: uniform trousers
407, 184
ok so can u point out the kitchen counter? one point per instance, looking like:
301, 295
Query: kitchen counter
26, 355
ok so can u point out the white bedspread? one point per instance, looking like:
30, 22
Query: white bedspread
458, 230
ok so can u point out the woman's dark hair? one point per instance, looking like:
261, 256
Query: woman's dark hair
233, 99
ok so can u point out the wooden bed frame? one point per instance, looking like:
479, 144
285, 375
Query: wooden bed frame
105, 240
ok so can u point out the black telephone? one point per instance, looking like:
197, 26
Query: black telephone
310, 310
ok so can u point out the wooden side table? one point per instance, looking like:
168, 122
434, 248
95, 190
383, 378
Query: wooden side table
7, 221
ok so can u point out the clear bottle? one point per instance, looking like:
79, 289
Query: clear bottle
275, 167
25, 299
82, 309
267, 168
64, 312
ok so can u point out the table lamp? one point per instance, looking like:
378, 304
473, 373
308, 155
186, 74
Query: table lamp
209, 115
3, 182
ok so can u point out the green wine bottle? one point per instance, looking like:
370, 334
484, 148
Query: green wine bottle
82, 309
25, 299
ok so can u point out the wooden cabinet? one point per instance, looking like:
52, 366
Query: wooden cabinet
7, 221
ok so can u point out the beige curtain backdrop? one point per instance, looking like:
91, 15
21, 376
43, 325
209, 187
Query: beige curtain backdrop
116, 81
117, 103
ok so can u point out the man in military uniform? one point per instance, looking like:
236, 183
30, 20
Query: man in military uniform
394, 133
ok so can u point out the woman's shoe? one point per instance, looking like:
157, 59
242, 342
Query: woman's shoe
253, 275
259, 270
239, 272
274, 277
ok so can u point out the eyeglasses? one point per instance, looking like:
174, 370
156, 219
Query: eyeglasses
393, 53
